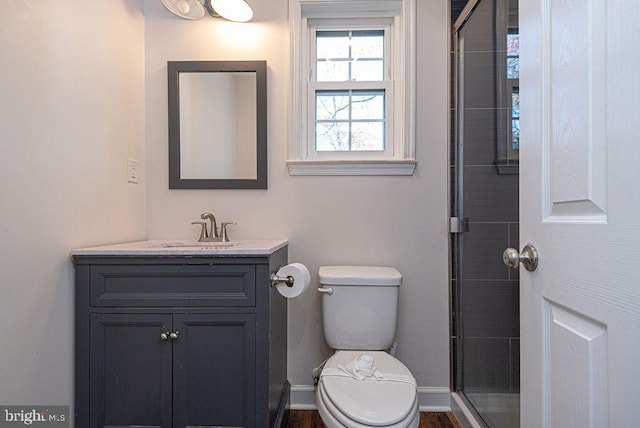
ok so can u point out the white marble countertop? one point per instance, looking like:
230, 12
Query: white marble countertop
177, 247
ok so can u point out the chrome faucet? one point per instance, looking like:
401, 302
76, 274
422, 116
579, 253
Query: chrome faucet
211, 234
212, 223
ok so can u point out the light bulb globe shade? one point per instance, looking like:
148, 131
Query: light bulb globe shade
233, 10
183, 7
187, 9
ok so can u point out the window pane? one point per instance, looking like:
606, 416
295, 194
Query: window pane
332, 44
513, 68
515, 119
367, 136
332, 136
332, 71
513, 53
515, 132
332, 105
367, 70
367, 105
349, 55
367, 44
513, 44
350, 120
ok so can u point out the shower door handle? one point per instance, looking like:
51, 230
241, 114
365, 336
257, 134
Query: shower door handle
528, 257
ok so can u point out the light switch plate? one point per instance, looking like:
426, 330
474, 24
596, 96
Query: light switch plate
132, 171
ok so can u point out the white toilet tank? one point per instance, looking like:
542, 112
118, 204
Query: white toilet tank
361, 311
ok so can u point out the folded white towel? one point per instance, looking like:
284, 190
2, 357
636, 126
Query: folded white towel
363, 368
360, 368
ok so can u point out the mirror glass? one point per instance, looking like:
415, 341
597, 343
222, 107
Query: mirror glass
217, 124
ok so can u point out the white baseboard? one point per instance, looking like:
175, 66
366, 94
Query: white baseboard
434, 399
303, 397
462, 412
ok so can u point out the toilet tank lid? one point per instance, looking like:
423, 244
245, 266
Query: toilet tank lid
359, 275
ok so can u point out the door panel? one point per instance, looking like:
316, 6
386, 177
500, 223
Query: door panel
130, 371
574, 85
579, 199
214, 370
577, 368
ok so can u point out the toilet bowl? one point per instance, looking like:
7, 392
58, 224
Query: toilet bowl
390, 401
361, 385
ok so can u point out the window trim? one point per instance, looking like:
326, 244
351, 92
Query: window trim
401, 104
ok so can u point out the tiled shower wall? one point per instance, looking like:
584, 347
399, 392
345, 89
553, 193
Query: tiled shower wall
485, 291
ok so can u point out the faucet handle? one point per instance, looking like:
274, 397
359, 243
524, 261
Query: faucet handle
203, 230
223, 230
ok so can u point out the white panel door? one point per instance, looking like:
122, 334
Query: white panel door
580, 207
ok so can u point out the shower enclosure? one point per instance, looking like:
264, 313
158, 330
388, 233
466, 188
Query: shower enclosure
484, 161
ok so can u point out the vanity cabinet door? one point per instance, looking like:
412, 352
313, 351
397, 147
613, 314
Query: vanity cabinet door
214, 370
130, 370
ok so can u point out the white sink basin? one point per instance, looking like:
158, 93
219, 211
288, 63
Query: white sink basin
198, 244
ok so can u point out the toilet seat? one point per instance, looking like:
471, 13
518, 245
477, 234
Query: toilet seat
348, 402
333, 418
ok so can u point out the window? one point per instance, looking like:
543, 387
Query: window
508, 82
348, 92
352, 101
513, 85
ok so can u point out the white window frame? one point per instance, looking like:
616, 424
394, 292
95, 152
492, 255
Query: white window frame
313, 86
397, 18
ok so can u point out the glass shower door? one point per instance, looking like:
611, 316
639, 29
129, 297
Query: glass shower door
486, 294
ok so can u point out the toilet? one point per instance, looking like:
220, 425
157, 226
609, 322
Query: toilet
362, 385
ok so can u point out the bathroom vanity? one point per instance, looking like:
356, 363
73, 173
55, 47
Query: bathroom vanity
173, 335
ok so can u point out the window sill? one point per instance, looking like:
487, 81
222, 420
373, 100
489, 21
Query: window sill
507, 167
351, 167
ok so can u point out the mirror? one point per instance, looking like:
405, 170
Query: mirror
217, 124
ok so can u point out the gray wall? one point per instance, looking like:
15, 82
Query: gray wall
72, 112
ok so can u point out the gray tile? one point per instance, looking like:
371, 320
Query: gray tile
514, 232
481, 135
489, 197
479, 80
515, 365
486, 365
490, 308
482, 249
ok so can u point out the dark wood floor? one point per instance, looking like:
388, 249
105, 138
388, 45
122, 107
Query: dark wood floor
311, 419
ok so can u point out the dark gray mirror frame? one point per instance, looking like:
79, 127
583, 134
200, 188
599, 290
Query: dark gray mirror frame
174, 68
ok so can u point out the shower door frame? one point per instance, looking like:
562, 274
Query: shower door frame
459, 224
457, 174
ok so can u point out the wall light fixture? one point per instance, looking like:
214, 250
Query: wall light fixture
233, 10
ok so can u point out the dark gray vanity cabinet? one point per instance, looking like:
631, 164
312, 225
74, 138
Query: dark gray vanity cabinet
180, 342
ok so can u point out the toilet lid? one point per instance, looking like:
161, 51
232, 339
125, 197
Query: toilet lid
370, 401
